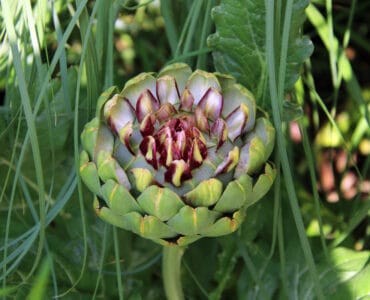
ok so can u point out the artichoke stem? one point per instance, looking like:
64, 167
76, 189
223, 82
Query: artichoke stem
171, 265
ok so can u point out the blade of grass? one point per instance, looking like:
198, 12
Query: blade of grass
31, 124
76, 131
195, 53
102, 257
56, 208
277, 92
24, 249
277, 208
62, 61
108, 78
118, 263
52, 269
282, 257
37, 34
299, 89
102, 19
171, 31
92, 66
311, 168
57, 55
194, 18
185, 30
27, 11
30, 236
207, 23
12, 159
41, 20
333, 52
55, 59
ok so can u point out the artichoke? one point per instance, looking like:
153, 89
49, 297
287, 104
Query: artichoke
177, 157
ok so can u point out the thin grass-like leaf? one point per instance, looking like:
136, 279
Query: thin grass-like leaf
86, 44
171, 31
53, 274
185, 30
192, 26
62, 61
276, 92
118, 264
102, 257
44, 86
201, 61
280, 237
24, 249
311, 167
26, 103
93, 68
181, 58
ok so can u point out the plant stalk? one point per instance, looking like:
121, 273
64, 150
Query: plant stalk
171, 265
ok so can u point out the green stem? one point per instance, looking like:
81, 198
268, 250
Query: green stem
171, 263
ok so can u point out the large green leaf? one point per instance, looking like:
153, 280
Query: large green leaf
239, 42
344, 275
347, 274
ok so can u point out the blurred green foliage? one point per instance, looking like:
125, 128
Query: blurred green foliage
69, 51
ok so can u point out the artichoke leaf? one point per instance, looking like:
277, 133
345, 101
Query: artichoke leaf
106, 214
225, 80
96, 137
234, 196
235, 95
225, 225
192, 221
103, 98
162, 203
135, 86
108, 168
252, 156
118, 198
141, 178
266, 132
89, 173
206, 193
179, 71
148, 226
262, 185
199, 82
151, 227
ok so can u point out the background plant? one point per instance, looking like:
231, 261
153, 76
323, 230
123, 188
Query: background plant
304, 240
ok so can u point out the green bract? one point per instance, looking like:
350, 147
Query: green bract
177, 157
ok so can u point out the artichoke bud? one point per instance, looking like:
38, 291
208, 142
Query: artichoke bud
177, 157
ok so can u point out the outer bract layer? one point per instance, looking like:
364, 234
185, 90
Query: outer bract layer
177, 157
